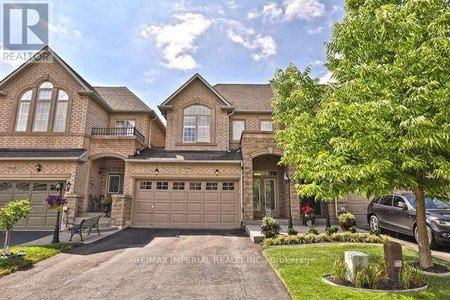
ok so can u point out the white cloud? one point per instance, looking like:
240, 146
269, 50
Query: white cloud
262, 46
290, 10
177, 41
316, 30
327, 78
316, 62
304, 9
272, 12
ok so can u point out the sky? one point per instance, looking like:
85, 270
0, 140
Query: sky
153, 47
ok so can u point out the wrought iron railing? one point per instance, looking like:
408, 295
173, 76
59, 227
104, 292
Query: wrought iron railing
122, 131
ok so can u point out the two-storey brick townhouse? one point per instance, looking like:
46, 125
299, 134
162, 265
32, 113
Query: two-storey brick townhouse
214, 164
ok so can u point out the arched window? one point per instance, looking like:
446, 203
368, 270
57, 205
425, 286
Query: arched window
62, 103
43, 105
23, 111
197, 124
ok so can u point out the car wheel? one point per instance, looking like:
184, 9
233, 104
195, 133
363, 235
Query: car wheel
374, 223
431, 238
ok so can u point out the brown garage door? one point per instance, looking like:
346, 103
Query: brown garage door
40, 218
186, 204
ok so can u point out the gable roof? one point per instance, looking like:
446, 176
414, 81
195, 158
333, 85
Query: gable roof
247, 97
121, 99
180, 89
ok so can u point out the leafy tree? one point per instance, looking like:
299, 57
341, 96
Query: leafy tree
385, 124
10, 214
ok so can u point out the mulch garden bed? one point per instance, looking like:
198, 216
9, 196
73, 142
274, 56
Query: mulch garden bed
437, 268
388, 286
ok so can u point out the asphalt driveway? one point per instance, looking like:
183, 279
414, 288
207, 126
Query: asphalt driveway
21, 237
152, 264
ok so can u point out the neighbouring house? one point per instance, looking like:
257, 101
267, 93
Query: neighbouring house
213, 165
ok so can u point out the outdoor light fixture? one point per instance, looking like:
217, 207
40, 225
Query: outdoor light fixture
156, 171
217, 172
100, 171
38, 167
68, 185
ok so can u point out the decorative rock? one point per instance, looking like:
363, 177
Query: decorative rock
355, 261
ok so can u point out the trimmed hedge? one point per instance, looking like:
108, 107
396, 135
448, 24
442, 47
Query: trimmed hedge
307, 238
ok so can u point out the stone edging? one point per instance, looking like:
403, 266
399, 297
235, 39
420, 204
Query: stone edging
431, 274
372, 290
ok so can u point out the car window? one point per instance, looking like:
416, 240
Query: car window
398, 199
386, 200
430, 203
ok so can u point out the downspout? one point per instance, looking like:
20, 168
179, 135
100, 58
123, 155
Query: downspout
242, 195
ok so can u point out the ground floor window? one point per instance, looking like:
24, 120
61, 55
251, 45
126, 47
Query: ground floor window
114, 183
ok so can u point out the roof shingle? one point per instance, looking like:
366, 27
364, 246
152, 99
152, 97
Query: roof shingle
160, 153
247, 97
122, 99
19, 153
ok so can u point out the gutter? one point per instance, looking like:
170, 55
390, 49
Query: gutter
182, 161
42, 158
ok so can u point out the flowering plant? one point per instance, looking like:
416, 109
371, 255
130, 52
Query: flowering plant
106, 200
307, 209
55, 201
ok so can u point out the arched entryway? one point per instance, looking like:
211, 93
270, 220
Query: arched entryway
270, 197
106, 178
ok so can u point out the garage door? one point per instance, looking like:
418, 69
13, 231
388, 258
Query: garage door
40, 218
358, 206
186, 204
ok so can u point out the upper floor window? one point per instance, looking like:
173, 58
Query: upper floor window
197, 124
125, 127
23, 111
62, 103
238, 127
46, 109
43, 105
266, 125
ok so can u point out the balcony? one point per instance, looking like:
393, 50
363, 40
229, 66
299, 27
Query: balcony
118, 131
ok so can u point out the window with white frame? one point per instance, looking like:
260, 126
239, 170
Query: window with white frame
125, 127
197, 124
43, 105
23, 111
266, 125
238, 128
62, 104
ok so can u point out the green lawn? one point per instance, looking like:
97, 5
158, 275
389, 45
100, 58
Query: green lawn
303, 278
33, 255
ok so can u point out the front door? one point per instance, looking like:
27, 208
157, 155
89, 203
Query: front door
264, 197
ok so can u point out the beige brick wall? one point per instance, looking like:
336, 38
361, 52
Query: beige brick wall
97, 116
196, 93
252, 123
157, 135
120, 145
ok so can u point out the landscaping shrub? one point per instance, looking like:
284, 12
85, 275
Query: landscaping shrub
292, 231
270, 227
310, 238
339, 271
376, 274
411, 277
352, 229
312, 230
331, 230
375, 231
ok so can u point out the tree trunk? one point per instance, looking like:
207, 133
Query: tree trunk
6, 245
426, 260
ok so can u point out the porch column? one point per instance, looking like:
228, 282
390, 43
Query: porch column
121, 210
70, 209
248, 188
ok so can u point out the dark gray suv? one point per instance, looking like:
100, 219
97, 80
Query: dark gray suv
397, 212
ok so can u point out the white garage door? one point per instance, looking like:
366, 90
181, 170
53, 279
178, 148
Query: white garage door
358, 206
40, 218
186, 204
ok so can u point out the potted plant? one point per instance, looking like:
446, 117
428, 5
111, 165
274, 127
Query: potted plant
309, 218
106, 203
346, 221
270, 227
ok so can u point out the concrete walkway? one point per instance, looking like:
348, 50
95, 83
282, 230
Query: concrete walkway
152, 264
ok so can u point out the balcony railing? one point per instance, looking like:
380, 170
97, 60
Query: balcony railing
118, 131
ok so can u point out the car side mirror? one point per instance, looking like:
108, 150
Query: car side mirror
402, 205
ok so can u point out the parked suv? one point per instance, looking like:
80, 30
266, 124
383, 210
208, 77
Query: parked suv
398, 213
